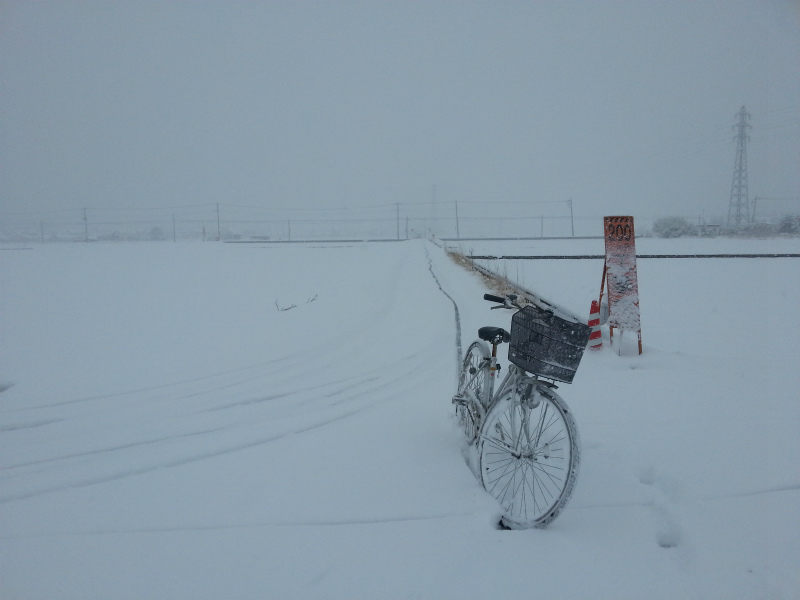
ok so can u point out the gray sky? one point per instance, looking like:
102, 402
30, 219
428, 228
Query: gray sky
626, 107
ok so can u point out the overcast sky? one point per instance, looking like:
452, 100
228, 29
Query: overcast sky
626, 107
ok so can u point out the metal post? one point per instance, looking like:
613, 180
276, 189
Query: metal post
219, 232
739, 206
289, 223
397, 205
85, 225
41, 225
173, 228
458, 233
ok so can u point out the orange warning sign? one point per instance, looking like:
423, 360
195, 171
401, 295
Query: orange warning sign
620, 273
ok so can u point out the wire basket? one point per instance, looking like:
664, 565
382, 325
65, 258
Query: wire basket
546, 344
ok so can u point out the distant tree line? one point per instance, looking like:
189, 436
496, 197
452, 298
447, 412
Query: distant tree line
673, 227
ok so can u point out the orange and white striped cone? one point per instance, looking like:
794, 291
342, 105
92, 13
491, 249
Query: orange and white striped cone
596, 337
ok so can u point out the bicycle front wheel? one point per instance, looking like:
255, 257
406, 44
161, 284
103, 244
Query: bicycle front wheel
530, 455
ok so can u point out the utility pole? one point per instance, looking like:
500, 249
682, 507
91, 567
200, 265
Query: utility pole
432, 227
739, 205
458, 233
85, 225
397, 206
219, 231
571, 218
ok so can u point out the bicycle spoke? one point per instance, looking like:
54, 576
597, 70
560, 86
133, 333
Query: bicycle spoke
540, 423
504, 489
507, 464
556, 481
498, 444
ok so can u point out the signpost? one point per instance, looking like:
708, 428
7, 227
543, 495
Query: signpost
619, 274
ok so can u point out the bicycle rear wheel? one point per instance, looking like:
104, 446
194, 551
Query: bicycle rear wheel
530, 453
473, 385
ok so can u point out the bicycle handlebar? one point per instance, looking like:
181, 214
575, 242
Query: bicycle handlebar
509, 301
492, 298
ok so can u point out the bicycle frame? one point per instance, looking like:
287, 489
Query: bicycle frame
478, 399
515, 378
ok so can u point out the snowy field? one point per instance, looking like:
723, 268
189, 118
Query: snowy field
167, 431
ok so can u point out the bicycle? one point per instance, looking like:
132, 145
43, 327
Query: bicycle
526, 437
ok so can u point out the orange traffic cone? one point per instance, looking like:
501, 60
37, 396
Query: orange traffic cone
596, 337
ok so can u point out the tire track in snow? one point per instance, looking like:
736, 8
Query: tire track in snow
165, 386
121, 473
455, 308
771, 490
352, 387
124, 467
388, 520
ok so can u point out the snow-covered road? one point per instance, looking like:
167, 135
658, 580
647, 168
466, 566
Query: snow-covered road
247, 421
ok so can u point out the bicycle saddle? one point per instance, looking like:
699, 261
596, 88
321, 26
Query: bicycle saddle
494, 335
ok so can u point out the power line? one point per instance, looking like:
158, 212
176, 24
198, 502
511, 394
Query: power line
306, 209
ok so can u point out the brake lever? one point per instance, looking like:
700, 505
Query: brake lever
508, 305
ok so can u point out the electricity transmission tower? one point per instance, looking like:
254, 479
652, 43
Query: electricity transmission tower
739, 206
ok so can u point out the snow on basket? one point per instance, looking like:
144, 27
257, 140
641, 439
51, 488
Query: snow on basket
546, 344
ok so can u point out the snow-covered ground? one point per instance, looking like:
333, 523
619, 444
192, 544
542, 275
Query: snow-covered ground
168, 432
